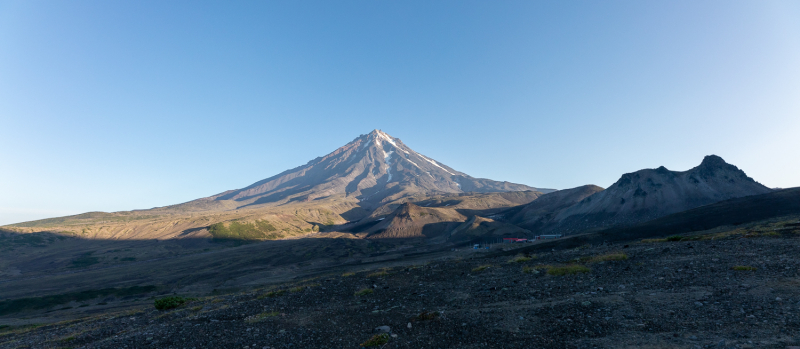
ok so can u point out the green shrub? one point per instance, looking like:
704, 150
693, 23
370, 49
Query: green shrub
169, 302
481, 268
519, 259
567, 270
376, 340
378, 274
744, 268
364, 292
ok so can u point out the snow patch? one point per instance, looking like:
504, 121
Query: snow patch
413, 163
435, 164
380, 219
387, 158
383, 135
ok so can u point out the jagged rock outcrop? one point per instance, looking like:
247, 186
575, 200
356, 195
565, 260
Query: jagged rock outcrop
652, 193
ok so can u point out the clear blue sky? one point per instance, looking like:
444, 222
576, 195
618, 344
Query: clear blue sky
119, 105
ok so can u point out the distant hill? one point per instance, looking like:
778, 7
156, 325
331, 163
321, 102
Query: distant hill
438, 224
652, 193
540, 214
780, 204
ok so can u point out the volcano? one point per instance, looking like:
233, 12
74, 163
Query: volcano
373, 168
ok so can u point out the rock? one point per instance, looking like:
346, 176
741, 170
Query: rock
409, 325
699, 304
383, 329
586, 303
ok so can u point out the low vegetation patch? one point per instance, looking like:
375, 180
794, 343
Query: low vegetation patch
529, 270
481, 268
378, 274
18, 329
169, 302
744, 268
348, 274
519, 259
84, 261
35, 303
364, 292
617, 256
262, 316
571, 269
258, 230
426, 315
297, 289
376, 340
273, 294
730, 234
677, 238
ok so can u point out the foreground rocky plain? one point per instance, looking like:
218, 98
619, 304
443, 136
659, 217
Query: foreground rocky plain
732, 287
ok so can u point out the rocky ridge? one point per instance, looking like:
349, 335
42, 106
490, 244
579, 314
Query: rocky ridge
638, 197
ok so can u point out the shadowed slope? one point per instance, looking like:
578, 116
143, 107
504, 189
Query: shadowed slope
648, 194
732, 212
539, 215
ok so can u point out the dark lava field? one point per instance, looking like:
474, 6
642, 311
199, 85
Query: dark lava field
732, 289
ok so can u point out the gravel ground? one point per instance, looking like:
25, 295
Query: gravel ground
664, 294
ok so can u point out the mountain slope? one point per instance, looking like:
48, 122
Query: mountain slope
736, 213
652, 193
540, 214
373, 168
438, 224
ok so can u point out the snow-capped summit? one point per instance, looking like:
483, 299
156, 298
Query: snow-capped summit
372, 168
